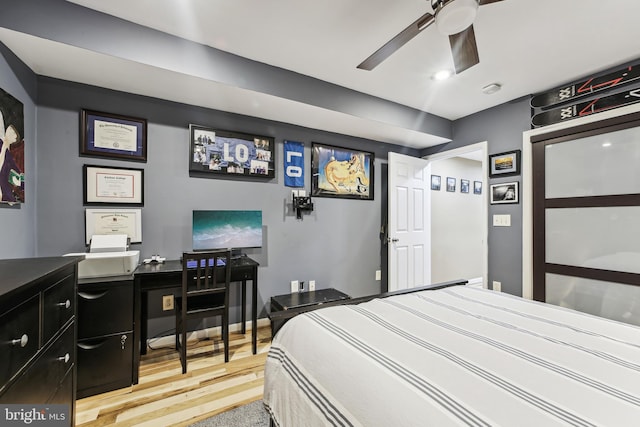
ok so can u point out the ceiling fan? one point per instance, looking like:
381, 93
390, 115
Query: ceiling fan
453, 18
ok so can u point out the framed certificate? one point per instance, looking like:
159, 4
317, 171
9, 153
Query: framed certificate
114, 221
113, 186
113, 136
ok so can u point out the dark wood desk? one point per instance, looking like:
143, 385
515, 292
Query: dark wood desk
148, 277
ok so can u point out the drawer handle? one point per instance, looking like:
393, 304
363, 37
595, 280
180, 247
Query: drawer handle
24, 339
65, 304
65, 358
86, 346
87, 295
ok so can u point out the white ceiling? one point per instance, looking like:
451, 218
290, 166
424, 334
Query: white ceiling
527, 46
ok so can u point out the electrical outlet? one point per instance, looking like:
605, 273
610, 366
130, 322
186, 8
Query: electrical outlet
295, 286
502, 220
312, 285
497, 286
167, 302
378, 274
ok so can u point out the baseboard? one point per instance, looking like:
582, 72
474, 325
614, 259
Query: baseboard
201, 334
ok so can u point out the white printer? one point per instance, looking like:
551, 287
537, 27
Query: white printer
107, 256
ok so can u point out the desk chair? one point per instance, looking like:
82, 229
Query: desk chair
205, 293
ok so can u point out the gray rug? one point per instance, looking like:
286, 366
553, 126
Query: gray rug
250, 415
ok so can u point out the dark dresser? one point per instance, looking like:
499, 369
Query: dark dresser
38, 331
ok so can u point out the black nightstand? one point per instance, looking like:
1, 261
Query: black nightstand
284, 307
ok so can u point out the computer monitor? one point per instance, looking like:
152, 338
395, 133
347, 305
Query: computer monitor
226, 229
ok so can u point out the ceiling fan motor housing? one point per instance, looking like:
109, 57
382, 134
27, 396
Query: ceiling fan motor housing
453, 16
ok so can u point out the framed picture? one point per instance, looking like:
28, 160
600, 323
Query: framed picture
451, 184
504, 164
341, 172
113, 221
105, 185
217, 153
12, 143
113, 136
435, 182
504, 193
464, 185
477, 187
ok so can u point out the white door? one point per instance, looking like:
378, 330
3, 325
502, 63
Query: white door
409, 215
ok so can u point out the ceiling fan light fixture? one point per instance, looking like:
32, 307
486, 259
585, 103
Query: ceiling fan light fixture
455, 15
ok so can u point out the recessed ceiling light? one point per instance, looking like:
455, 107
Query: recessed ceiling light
442, 75
606, 144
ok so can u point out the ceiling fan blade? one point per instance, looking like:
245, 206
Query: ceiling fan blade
464, 49
488, 1
397, 42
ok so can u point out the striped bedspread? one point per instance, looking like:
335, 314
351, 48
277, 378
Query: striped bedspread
455, 356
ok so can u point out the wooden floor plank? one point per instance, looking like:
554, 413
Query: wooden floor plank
166, 397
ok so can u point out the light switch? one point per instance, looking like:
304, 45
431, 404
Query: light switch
502, 220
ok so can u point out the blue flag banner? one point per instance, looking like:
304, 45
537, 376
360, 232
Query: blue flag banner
293, 164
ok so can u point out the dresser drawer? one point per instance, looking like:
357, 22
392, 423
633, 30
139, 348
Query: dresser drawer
242, 273
58, 306
40, 382
65, 389
104, 364
19, 337
105, 309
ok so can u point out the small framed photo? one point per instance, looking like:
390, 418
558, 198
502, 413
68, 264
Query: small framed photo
113, 136
435, 182
504, 164
477, 187
504, 193
105, 185
464, 185
451, 184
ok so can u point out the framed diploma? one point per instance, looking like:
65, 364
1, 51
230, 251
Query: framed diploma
114, 221
113, 186
113, 136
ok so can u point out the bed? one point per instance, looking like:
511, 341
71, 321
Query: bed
453, 356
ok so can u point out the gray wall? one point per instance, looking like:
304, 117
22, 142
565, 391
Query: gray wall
502, 128
18, 231
337, 245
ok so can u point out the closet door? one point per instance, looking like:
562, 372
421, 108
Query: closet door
587, 219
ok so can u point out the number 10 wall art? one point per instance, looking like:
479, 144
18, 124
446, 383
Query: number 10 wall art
231, 154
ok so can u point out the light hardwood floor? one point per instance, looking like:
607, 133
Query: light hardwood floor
165, 397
